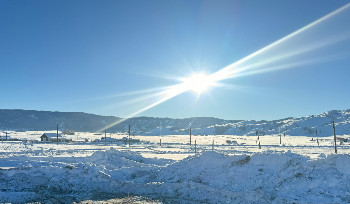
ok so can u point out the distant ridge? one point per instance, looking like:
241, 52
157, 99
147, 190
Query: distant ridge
22, 120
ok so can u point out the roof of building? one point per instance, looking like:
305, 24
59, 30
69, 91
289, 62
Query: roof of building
51, 135
3, 136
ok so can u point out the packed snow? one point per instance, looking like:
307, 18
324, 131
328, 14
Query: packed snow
214, 169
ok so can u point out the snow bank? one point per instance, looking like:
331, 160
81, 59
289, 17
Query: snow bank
210, 177
343, 163
117, 159
263, 178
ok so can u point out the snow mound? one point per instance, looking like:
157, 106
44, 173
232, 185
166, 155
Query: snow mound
209, 177
343, 163
277, 161
263, 177
117, 159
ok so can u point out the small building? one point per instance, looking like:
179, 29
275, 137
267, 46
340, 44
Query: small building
52, 137
126, 140
4, 137
107, 139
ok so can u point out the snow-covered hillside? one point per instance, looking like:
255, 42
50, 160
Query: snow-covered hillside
304, 126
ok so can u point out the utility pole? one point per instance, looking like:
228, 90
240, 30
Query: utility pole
57, 134
280, 138
129, 135
160, 128
335, 138
317, 138
105, 136
190, 136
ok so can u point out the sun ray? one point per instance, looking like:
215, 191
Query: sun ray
285, 55
289, 65
252, 64
166, 95
225, 72
130, 93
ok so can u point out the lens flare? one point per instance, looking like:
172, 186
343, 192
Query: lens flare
296, 49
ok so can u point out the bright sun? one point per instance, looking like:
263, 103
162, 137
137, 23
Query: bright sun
198, 83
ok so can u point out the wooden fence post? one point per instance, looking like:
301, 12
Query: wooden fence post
195, 146
335, 139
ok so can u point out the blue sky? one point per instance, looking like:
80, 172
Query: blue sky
87, 55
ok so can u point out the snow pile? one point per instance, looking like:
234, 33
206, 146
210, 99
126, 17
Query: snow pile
117, 159
343, 164
211, 177
261, 178
50, 179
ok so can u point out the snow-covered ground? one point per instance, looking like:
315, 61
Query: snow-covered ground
297, 170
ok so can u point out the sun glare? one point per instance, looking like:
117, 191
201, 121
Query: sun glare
198, 83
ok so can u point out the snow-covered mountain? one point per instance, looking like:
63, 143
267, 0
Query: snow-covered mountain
305, 126
21, 120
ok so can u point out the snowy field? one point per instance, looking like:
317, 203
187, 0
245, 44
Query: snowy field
300, 169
